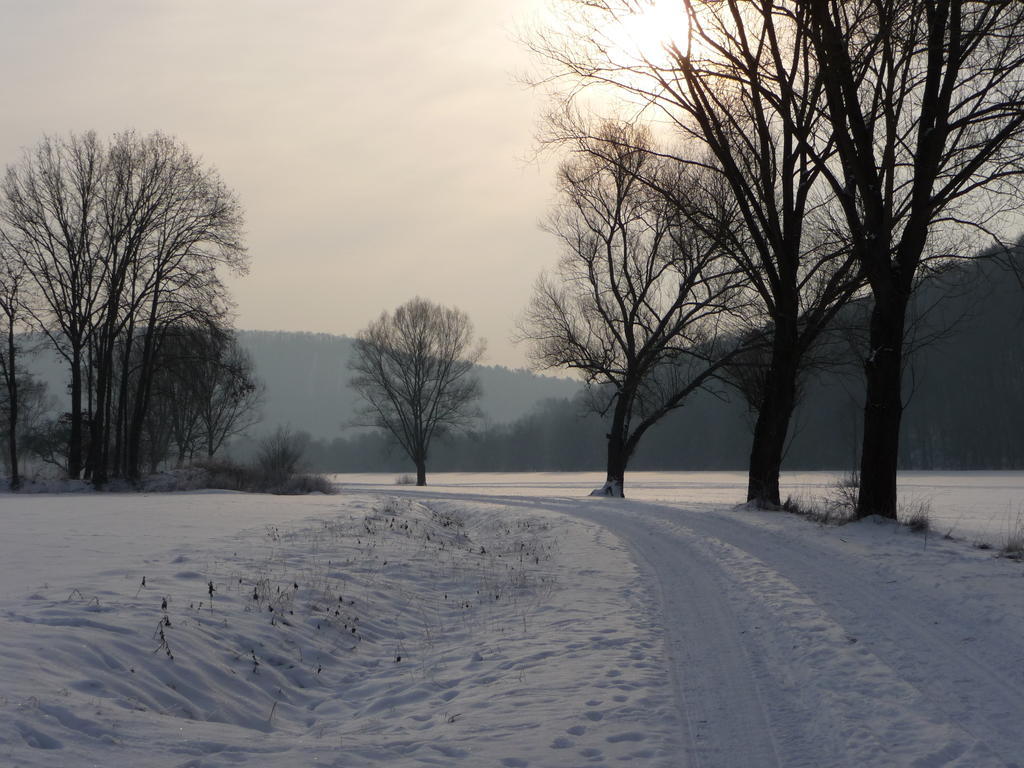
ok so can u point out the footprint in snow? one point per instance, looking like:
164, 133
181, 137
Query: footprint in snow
628, 736
36, 738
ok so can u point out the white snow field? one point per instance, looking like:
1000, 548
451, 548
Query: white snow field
498, 621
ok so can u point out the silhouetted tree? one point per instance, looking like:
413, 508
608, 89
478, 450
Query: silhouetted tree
278, 456
177, 393
910, 113
226, 391
167, 225
120, 240
925, 107
51, 202
414, 370
12, 287
743, 88
643, 290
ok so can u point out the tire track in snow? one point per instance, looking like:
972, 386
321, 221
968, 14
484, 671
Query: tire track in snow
719, 691
905, 625
834, 700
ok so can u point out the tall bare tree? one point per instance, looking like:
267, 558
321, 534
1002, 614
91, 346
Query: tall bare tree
644, 289
227, 391
191, 233
740, 87
414, 370
121, 240
51, 209
925, 108
12, 288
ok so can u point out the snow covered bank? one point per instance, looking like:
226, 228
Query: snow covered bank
350, 631
501, 625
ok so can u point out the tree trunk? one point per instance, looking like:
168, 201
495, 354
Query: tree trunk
421, 471
615, 477
75, 437
140, 403
12, 408
12, 450
618, 451
773, 416
883, 407
97, 462
121, 432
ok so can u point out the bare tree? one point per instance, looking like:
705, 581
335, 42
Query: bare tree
644, 289
414, 369
12, 287
910, 112
226, 390
742, 87
925, 107
51, 203
279, 455
121, 240
170, 225
177, 393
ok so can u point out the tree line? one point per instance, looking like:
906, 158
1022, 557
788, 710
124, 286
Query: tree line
963, 392
804, 152
112, 254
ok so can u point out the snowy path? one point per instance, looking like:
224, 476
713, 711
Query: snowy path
792, 644
788, 654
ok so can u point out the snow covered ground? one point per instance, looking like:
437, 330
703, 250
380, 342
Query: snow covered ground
975, 506
500, 621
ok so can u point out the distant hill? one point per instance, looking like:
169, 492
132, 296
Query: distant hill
306, 376
964, 395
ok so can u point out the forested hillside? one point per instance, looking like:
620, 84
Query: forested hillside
965, 395
306, 377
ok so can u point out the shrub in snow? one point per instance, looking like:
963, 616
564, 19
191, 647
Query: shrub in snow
844, 493
829, 513
184, 479
278, 456
304, 483
1014, 545
916, 516
228, 476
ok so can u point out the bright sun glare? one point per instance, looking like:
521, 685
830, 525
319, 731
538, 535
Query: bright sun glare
645, 33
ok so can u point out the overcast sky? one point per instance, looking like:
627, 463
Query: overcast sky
380, 149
